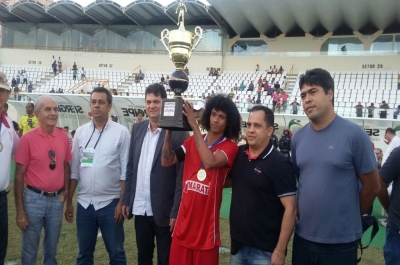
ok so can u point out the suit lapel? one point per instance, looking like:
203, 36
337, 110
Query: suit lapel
141, 132
160, 143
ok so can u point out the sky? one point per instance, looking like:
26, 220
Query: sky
126, 2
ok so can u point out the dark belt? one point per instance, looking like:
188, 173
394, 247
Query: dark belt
45, 193
4, 193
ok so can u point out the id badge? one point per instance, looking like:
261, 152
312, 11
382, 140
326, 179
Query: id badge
87, 157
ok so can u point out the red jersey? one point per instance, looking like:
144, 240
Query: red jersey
197, 224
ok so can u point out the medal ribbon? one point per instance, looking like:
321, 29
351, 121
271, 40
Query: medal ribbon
214, 144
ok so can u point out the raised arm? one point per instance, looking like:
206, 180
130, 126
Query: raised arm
210, 160
168, 157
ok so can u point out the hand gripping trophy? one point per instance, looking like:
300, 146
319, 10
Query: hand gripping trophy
180, 47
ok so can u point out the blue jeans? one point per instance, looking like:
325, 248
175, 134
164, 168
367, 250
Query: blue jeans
42, 212
391, 249
250, 256
310, 253
88, 222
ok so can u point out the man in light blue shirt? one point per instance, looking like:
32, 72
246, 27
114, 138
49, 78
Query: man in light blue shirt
330, 156
99, 158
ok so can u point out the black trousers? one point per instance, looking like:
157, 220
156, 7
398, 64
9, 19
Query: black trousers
3, 226
146, 229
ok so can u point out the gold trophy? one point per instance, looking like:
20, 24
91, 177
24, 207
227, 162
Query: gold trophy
180, 47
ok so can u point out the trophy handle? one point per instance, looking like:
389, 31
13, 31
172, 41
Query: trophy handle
165, 35
198, 32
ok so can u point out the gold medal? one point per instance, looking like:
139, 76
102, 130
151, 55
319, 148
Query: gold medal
201, 175
1, 147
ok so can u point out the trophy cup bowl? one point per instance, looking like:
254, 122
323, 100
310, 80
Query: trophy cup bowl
180, 47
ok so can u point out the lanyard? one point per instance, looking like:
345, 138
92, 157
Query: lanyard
214, 144
94, 128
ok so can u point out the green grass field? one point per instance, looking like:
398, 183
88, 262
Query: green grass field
68, 249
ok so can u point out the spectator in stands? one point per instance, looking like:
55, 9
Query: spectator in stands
344, 49
242, 86
275, 98
284, 83
232, 93
60, 91
270, 70
53, 61
257, 68
162, 80
396, 112
30, 87
295, 106
284, 98
383, 113
13, 82
235, 87
260, 80
54, 66
137, 79
83, 74
218, 91
278, 105
210, 73
59, 65
16, 93
266, 86
115, 92
52, 90
398, 82
19, 78
371, 109
249, 99
259, 89
359, 109
187, 71
253, 100
270, 91
208, 96
81, 92
73, 134
141, 75
258, 101
24, 76
280, 71
74, 74
379, 156
251, 86
198, 109
274, 70
75, 67
114, 118
236, 100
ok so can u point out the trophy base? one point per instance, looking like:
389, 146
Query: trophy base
172, 117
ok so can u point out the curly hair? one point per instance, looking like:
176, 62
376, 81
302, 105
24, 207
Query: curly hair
233, 118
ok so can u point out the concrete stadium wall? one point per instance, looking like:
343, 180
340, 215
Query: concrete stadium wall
119, 61
301, 63
199, 63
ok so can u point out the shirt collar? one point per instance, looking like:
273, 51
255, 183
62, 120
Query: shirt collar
149, 129
92, 124
263, 154
45, 134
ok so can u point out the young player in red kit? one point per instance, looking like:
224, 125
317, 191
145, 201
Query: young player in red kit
207, 162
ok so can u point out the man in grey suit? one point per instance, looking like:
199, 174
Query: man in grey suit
152, 193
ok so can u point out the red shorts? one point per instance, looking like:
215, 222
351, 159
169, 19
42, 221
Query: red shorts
180, 255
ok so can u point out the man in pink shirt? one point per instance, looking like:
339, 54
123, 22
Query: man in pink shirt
275, 98
42, 160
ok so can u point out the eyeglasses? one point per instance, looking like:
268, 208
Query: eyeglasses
52, 156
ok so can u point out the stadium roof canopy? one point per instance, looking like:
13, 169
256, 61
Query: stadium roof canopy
247, 18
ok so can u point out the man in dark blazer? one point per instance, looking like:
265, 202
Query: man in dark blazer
152, 193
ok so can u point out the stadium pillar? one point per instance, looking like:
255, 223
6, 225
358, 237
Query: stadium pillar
231, 42
367, 40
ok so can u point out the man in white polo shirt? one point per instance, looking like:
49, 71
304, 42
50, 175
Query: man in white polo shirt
8, 144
